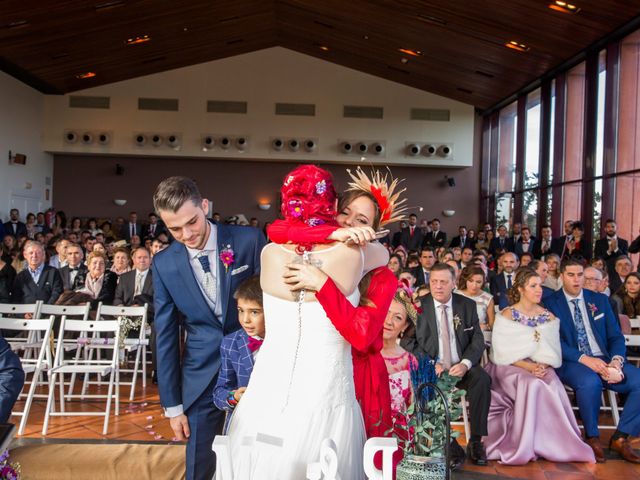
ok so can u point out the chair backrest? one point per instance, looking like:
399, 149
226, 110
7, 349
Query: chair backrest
23, 309
89, 326
117, 311
43, 325
625, 324
66, 310
635, 322
632, 340
86, 327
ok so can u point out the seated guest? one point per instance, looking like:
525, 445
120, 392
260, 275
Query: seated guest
395, 264
598, 262
413, 261
501, 242
577, 247
542, 269
436, 237
627, 297
466, 257
427, 261
136, 242
525, 244
88, 243
545, 245
462, 240
470, 285
593, 359
14, 226
622, 268
239, 350
526, 392
611, 246
60, 258
448, 330
38, 281
402, 313
153, 228
481, 241
92, 226
526, 259
453, 264
75, 271
635, 248
128, 230
99, 284
121, 261
7, 278
157, 245
553, 279
408, 278
11, 380
501, 283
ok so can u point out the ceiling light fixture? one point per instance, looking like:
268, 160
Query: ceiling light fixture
137, 40
324, 48
564, 7
82, 76
18, 24
409, 51
520, 47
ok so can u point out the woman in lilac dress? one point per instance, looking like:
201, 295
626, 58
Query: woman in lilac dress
530, 415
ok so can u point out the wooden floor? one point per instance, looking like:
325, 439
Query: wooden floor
143, 420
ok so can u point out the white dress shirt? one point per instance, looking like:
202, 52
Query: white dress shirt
593, 343
211, 246
455, 355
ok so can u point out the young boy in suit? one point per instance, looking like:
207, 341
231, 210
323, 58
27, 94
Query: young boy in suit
239, 349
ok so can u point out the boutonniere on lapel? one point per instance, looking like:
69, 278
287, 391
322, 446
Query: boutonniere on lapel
593, 309
456, 321
227, 257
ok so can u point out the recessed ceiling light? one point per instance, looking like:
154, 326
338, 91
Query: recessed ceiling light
564, 7
324, 48
520, 47
366, 37
137, 40
409, 51
84, 75
404, 60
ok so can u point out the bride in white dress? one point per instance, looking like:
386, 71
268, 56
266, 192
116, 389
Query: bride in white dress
301, 390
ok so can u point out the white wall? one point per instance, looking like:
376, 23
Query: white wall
21, 117
263, 78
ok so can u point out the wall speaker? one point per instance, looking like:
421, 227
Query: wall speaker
294, 145
70, 136
225, 142
377, 148
444, 150
346, 147
140, 139
277, 144
104, 138
208, 142
173, 141
362, 147
413, 149
241, 143
309, 145
428, 150
156, 140
87, 138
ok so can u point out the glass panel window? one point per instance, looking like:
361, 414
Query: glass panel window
574, 142
504, 210
507, 149
532, 150
551, 132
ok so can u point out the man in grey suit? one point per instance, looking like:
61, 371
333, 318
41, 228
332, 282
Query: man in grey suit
448, 330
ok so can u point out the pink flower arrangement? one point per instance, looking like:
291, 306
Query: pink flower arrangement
227, 257
9, 471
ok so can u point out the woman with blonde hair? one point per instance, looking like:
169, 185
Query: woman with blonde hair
530, 415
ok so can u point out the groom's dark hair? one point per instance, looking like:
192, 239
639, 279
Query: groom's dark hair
173, 192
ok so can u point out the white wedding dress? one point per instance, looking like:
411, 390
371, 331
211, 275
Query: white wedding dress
301, 389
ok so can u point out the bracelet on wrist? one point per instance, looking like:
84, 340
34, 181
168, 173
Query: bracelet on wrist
231, 399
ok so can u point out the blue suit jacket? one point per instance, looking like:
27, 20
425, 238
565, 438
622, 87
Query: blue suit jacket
498, 288
11, 380
176, 291
236, 367
606, 328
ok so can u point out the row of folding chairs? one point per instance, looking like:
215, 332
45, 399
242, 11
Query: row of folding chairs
99, 338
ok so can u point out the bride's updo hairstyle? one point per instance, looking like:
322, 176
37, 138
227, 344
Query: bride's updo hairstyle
308, 195
523, 275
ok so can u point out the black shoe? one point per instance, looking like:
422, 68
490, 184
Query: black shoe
477, 454
154, 378
456, 455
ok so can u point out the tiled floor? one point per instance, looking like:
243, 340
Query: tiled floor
142, 420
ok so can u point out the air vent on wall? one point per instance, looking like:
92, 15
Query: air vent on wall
300, 109
158, 104
430, 114
81, 101
223, 106
351, 111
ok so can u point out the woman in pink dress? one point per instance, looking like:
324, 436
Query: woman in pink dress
530, 415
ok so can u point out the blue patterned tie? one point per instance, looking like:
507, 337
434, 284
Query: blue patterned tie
578, 321
209, 281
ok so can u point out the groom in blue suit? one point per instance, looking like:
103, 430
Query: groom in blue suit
592, 345
194, 280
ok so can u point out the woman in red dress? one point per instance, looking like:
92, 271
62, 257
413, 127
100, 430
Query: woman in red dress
366, 206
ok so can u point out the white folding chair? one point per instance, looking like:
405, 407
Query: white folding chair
71, 312
632, 340
465, 417
84, 366
31, 365
635, 322
138, 345
612, 407
28, 341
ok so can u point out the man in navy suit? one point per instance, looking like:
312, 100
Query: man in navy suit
526, 243
14, 226
11, 380
195, 278
593, 354
502, 241
500, 284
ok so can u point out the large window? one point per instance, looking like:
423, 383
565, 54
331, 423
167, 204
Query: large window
532, 161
